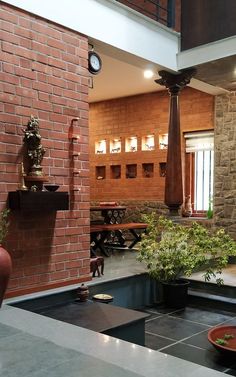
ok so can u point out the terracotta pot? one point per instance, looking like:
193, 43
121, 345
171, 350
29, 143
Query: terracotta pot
220, 333
5, 271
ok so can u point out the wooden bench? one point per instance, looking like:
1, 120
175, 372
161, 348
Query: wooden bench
100, 233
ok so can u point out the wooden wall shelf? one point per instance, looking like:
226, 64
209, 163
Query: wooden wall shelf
38, 201
31, 178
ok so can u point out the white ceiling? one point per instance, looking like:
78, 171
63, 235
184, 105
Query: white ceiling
120, 79
122, 75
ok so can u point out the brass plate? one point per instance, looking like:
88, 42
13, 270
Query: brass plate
102, 296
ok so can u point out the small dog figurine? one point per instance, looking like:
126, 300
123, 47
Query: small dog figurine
95, 264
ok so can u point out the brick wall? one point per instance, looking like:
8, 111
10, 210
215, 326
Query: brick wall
43, 72
225, 163
139, 116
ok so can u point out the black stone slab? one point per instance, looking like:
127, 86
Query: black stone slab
112, 320
204, 316
174, 328
200, 340
156, 342
231, 372
211, 359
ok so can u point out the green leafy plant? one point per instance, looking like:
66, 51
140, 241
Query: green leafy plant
210, 210
223, 341
228, 336
3, 224
172, 250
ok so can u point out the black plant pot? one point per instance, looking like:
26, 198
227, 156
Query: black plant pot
175, 294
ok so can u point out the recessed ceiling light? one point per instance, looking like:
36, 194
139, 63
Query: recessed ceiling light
148, 74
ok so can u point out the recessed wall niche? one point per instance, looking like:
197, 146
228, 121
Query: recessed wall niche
100, 172
148, 143
115, 171
131, 171
162, 169
100, 147
131, 144
163, 141
115, 146
148, 170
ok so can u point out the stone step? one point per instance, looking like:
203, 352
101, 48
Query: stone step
224, 293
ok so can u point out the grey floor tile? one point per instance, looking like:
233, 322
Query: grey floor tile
207, 317
200, 340
162, 309
153, 316
230, 322
84, 366
173, 328
211, 359
30, 353
156, 342
7, 331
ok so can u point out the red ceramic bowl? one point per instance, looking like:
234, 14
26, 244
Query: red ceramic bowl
219, 333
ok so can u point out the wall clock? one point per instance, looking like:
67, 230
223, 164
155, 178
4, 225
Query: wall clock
94, 63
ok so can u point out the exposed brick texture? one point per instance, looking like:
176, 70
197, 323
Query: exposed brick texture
139, 116
43, 72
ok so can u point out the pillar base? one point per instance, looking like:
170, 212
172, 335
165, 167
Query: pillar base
174, 211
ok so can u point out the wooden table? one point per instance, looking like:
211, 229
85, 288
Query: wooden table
112, 214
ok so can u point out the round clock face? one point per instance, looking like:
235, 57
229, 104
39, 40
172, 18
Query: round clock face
95, 63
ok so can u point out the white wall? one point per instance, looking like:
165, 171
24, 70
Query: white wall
110, 22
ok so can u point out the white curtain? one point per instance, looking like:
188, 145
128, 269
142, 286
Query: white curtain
202, 145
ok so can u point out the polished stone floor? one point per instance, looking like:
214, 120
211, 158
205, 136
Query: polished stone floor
228, 275
183, 333
122, 263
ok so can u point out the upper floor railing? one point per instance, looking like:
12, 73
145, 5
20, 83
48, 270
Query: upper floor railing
162, 11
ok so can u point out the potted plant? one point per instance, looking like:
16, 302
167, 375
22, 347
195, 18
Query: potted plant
5, 259
172, 251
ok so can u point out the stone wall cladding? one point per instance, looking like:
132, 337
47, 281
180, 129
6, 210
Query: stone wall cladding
225, 163
43, 72
135, 209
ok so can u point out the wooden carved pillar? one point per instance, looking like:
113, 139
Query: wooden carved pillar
174, 181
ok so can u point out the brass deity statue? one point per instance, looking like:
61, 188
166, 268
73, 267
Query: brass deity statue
35, 150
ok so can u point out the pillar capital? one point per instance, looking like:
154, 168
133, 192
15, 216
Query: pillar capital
175, 82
